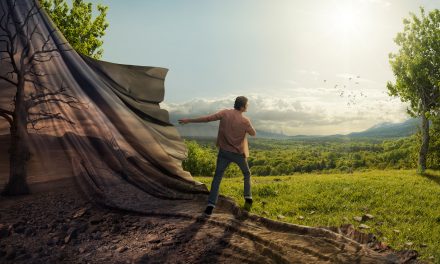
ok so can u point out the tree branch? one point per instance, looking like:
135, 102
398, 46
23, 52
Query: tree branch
8, 80
8, 115
47, 116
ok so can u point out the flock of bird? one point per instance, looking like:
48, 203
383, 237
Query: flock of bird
352, 96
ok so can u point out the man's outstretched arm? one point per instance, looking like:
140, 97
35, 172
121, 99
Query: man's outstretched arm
202, 119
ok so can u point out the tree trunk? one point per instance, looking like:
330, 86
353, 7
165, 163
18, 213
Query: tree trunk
425, 144
19, 150
19, 156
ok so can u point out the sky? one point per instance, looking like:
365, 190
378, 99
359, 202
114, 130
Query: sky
311, 67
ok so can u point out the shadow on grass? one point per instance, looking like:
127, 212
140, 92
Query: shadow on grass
431, 176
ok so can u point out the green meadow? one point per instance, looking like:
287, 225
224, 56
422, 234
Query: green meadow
405, 205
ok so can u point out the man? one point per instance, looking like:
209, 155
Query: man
233, 147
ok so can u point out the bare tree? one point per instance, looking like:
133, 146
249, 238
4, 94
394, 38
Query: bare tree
23, 50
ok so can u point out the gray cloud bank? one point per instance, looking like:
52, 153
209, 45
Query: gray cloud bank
291, 116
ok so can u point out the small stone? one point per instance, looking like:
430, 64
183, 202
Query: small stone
155, 247
72, 233
357, 218
168, 243
345, 219
265, 212
96, 219
280, 216
121, 249
423, 245
82, 250
312, 212
396, 231
363, 226
408, 244
301, 217
367, 217
79, 213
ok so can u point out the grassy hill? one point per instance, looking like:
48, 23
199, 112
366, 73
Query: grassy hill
405, 206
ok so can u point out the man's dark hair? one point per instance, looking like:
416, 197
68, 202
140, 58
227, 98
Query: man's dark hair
240, 102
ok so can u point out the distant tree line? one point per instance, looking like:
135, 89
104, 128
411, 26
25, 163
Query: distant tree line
286, 157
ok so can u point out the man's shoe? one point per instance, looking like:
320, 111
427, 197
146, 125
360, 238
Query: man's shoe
208, 210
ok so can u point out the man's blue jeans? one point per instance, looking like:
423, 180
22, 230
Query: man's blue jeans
224, 158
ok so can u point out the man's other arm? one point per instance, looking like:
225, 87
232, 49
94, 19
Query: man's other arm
251, 130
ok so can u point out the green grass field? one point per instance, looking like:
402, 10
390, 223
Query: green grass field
405, 205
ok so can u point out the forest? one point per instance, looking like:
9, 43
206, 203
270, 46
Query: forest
316, 155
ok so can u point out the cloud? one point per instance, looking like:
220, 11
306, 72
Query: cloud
293, 115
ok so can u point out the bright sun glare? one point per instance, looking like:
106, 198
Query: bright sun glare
344, 21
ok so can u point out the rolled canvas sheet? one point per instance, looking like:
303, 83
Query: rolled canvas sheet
116, 134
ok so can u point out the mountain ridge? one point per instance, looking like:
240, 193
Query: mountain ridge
379, 130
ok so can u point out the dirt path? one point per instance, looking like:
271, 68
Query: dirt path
61, 226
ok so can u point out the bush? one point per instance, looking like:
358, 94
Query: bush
200, 161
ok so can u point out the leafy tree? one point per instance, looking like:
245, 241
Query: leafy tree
76, 24
416, 67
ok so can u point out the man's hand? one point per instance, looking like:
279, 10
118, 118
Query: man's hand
183, 121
